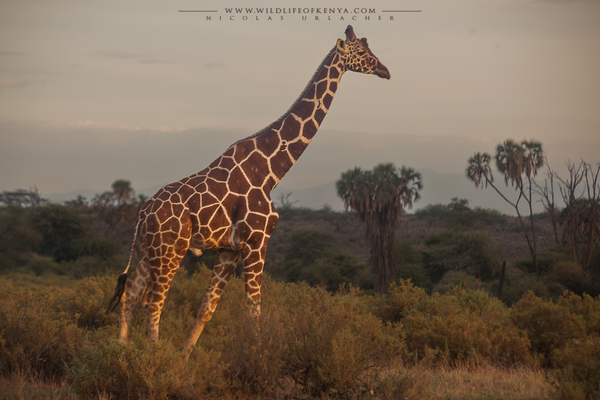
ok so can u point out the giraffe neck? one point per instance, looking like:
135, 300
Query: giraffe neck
284, 141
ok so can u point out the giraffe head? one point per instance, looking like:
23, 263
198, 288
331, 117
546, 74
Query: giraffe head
358, 57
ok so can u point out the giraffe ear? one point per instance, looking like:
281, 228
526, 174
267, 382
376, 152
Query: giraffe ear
341, 46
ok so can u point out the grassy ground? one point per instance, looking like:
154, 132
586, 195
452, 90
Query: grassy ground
57, 343
410, 383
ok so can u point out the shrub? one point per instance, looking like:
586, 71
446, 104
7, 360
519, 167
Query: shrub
456, 278
335, 345
585, 307
17, 239
68, 237
549, 326
463, 326
461, 250
141, 369
34, 336
86, 303
570, 275
577, 369
546, 260
399, 299
458, 212
41, 265
313, 257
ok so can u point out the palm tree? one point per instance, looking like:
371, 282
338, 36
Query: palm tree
378, 197
514, 160
479, 170
122, 191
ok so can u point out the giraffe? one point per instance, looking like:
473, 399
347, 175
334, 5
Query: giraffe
227, 206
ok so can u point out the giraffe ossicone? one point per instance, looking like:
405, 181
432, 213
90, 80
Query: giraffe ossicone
227, 206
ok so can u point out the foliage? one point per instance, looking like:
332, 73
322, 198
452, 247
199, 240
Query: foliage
464, 326
333, 342
461, 250
576, 369
378, 197
34, 336
458, 212
17, 238
307, 342
549, 326
394, 305
314, 257
519, 163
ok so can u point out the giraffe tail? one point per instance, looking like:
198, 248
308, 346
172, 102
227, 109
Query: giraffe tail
122, 279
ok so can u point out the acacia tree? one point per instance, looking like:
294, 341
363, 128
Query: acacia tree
378, 198
519, 163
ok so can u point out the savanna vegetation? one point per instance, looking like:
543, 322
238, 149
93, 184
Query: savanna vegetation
466, 310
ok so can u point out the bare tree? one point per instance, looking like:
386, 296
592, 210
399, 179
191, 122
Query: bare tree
571, 196
546, 193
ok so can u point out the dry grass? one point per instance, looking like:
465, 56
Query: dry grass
483, 382
412, 383
26, 386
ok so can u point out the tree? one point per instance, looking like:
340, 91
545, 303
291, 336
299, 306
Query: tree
378, 197
118, 205
123, 192
519, 163
581, 216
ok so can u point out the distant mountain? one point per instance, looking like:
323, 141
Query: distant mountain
437, 189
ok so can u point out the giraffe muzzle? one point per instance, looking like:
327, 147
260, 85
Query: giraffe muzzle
382, 72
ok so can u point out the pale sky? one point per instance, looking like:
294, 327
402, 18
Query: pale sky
94, 91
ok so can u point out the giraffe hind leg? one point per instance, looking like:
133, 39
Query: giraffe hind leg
162, 271
133, 289
224, 267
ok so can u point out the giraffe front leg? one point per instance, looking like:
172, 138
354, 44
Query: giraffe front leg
254, 261
224, 267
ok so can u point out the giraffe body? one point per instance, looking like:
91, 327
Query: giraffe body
227, 206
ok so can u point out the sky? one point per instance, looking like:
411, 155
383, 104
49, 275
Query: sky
95, 91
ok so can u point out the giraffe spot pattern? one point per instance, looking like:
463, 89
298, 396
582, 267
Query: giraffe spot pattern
227, 206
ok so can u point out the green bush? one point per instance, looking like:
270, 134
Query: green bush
546, 260
519, 284
585, 307
410, 264
463, 326
576, 369
458, 213
399, 299
461, 250
333, 343
141, 369
456, 278
549, 326
570, 275
34, 335
17, 239
314, 257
